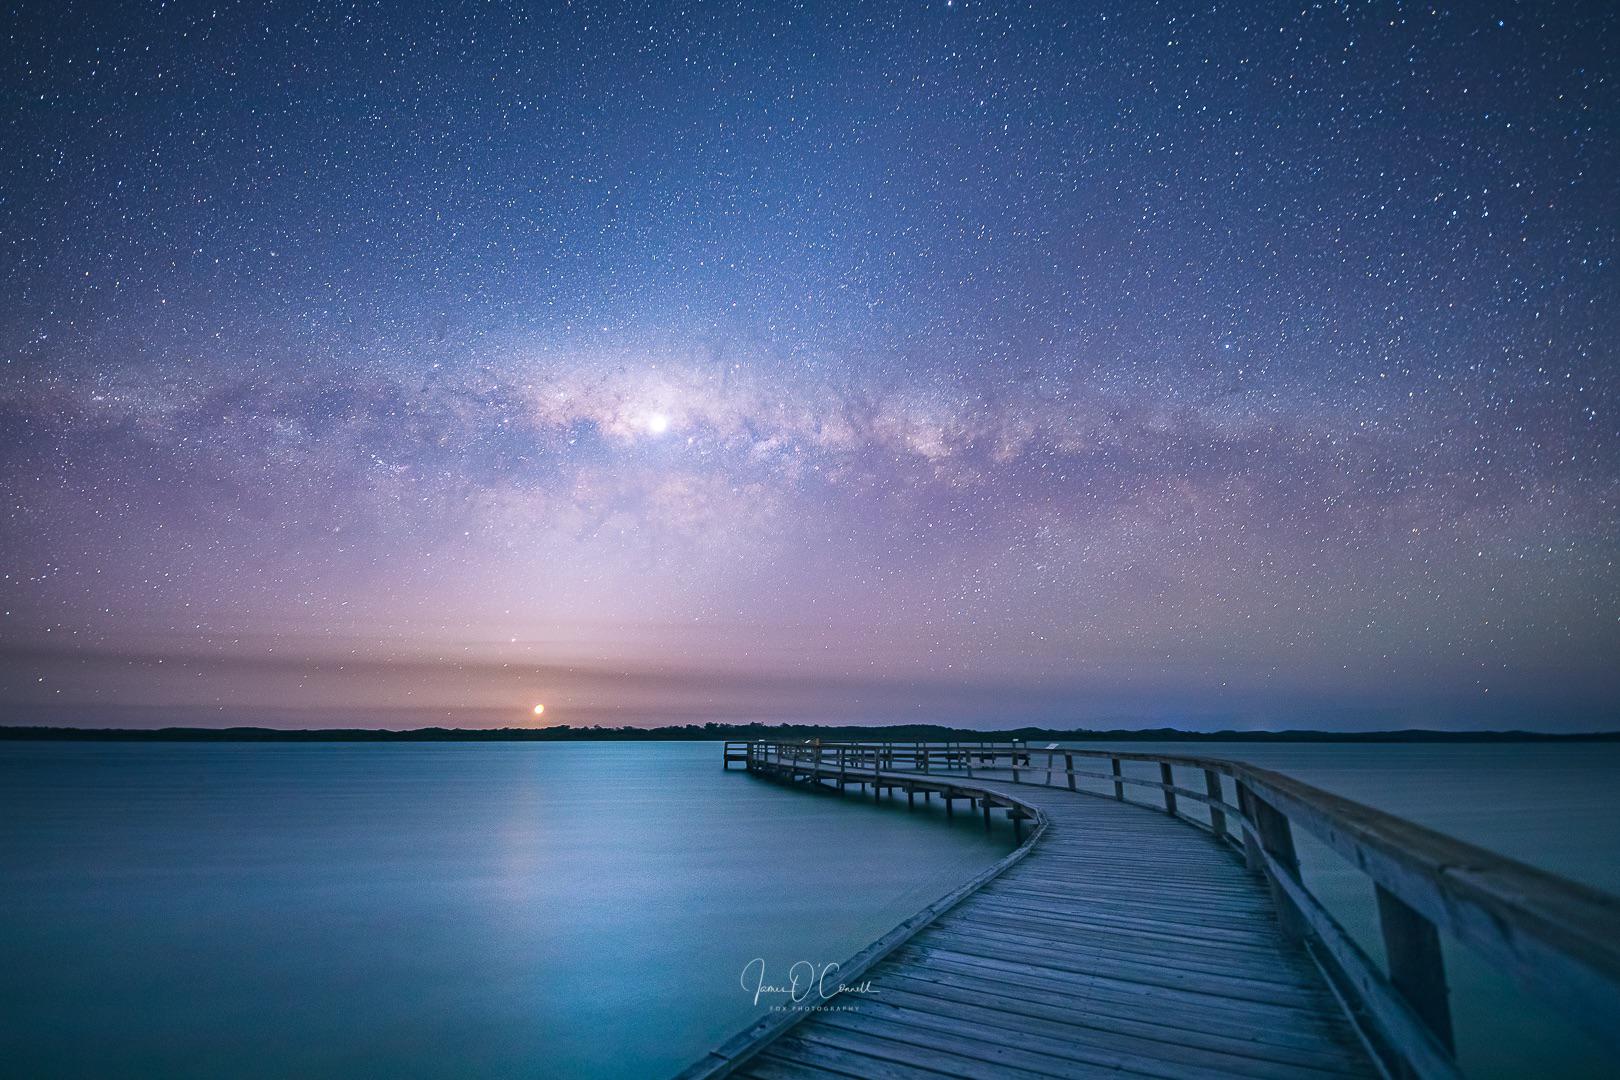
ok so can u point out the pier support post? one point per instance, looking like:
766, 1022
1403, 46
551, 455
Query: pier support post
1417, 969
1217, 816
1251, 843
1277, 837
1169, 777
1119, 788
1068, 767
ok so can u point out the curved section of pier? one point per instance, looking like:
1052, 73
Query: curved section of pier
1124, 942
1122, 938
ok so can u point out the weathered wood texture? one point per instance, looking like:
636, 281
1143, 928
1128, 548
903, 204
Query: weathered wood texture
1141, 900
1125, 942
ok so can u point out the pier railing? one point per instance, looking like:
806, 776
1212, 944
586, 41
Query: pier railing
906, 756
1559, 941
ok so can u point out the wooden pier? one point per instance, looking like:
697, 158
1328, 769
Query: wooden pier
1139, 940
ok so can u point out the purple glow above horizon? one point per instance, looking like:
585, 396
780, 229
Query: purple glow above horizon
977, 365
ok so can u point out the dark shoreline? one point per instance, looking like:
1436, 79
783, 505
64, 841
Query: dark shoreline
715, 732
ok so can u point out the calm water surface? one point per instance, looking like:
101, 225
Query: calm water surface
583, 909
424, 909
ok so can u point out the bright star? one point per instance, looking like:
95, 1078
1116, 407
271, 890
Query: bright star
657, 423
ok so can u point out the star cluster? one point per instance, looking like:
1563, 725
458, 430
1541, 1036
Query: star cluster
978, 362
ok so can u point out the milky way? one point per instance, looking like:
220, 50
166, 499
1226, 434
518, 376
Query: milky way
973, 362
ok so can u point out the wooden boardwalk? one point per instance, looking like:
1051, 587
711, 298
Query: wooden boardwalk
1125, 939
1124, 943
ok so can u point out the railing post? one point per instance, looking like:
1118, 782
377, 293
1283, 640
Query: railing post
1217, 816
1169, 778
1277, 837
1012, 755
1119, 788
1251, 843
1049, 768
1068, 765
1417, 968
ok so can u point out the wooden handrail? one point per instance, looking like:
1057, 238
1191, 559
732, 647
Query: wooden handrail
1557, 939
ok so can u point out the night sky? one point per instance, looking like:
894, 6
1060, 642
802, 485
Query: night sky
1218, 365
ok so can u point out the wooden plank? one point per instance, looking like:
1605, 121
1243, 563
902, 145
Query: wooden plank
766, 1067
1058, 1056
908, 1054
1139, 976
974, 1053
1175, 1055
1306, 1020
1254, 934
1101, 891
1129, 894
1162, 940
1231, 922
1131, 885
1127, 1017
845, 1062
1186, 962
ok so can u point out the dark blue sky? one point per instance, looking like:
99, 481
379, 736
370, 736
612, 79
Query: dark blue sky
971, 361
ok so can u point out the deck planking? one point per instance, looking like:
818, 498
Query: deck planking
1125, 943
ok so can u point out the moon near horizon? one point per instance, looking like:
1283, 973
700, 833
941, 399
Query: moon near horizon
539, 710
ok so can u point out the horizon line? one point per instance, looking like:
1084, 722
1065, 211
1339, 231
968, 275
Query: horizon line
716, 730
